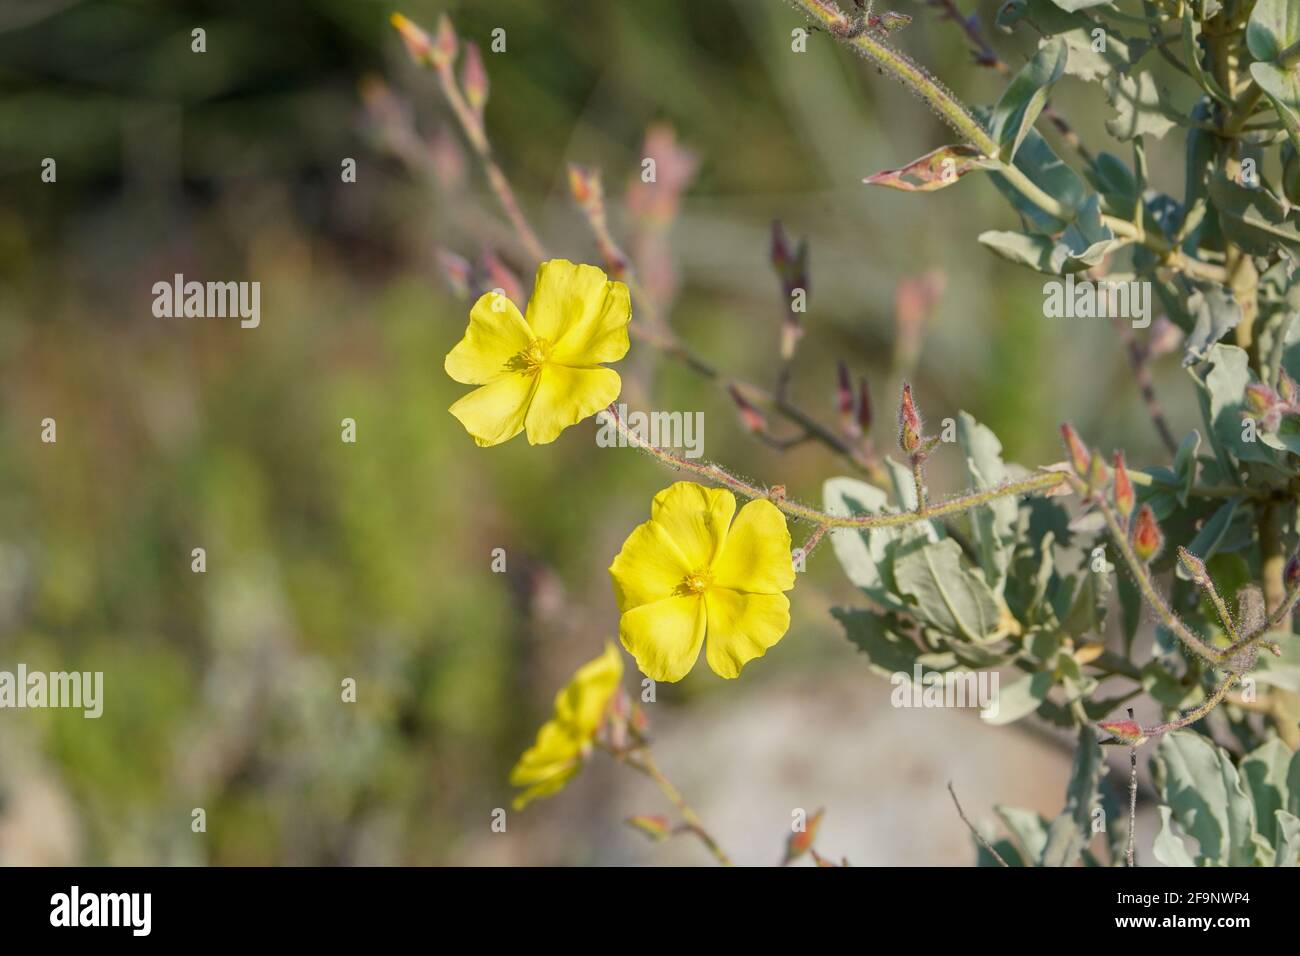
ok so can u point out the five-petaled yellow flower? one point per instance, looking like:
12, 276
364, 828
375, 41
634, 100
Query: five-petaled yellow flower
565, 739
541, 372
689, 572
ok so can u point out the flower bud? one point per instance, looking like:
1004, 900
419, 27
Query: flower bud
844, 400
1074, 447
753, 420
654, 826
864, 406
1125, 500
1287, 389
1260, 399
1193, 565
909, 422
445, 44
1097, 473
585, 186
1148, 539
474, 79
1124, 731
418, 43
1292, 573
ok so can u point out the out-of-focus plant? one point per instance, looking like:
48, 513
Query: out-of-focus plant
1005, 576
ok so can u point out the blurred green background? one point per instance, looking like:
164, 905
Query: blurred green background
372, 560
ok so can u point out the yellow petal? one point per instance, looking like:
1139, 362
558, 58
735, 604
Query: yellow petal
495, 412
548, 764
581, 706
742, 627
665, 636
565, 396
580, 312
648, 568
696, 520
495, 338
756, 557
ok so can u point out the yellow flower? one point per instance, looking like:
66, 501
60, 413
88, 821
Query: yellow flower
689, 571
541, 372
564, 740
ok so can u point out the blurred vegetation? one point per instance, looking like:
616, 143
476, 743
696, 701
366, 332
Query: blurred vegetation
328, 560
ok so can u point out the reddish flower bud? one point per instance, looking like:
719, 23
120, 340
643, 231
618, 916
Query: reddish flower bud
474, 79
585, 186
1125, 499
418, 43
1148, 539
843, 389
801, 841
780, 253
1124, 731
1260, 399
1098, 475
1292, 573
1077, 451
909, 422
445, 45
1193, 565
864, 406
750, 417
655, 826
1287, 389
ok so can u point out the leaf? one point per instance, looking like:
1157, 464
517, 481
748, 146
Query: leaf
1028, 830
888, 649
1265, 771
1217, 313
1076, 30
867, 556
1206, 543
1085, 242
1185, 465
994, 525
1025, 97
1205, 792
1071, 832
1226, 387
1169, 847
1139, 106
1073, 5
1288, 841
1253, 218
1037, 160
1284, 671
1022, 249
948, 595
1282, 87
1274, 25
933, 171
1018, 699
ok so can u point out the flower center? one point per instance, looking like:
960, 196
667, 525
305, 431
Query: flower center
697, 582
534, 357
